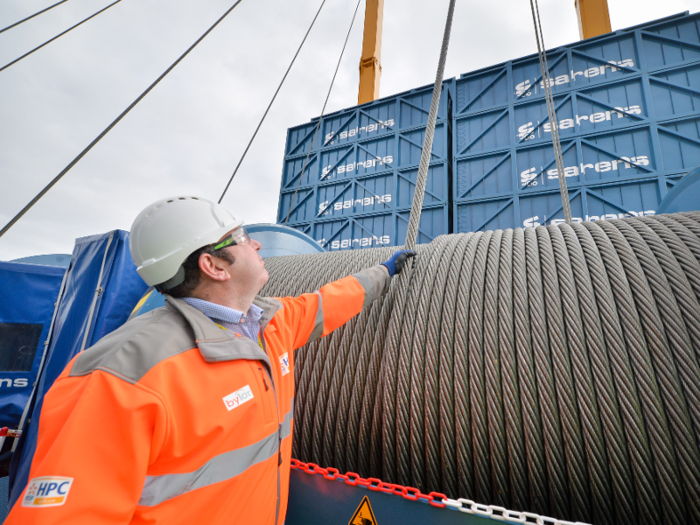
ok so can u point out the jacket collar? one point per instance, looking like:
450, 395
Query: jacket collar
218, 345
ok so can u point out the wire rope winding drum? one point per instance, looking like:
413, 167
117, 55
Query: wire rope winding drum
552, 369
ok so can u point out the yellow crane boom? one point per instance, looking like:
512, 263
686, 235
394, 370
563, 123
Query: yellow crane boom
370, 63
593, 18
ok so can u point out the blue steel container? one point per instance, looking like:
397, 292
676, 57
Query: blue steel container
628, 112
354, 188
374, 230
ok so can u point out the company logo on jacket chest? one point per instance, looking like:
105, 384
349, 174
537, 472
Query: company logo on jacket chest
240, 396
47, 492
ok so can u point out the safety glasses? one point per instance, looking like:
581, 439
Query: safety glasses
237, 236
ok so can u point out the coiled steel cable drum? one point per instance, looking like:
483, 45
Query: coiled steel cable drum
551, 369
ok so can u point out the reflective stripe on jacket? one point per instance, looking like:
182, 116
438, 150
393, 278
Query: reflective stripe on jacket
171, 419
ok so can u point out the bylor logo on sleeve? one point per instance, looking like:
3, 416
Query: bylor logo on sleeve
47, 491
239, 397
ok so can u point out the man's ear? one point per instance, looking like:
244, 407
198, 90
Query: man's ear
214, 268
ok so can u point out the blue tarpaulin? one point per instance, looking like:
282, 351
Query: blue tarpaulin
101, 289
27, 296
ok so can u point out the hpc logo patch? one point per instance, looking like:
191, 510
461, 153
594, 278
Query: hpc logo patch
240, 396
47, 492
284, 363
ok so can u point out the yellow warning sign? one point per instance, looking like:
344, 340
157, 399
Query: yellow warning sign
363, 515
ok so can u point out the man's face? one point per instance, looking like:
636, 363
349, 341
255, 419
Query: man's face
248, 267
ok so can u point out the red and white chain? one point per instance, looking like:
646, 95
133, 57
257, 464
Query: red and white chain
436, 499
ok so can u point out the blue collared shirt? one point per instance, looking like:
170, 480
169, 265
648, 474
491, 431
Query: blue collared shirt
234, 320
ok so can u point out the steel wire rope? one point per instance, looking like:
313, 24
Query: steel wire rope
427, 150
433, 398
114, 122
537, 482
31, 16
589, 345
269, 106
655, 373
447, 372
551, 111
571, 426
463, 443
559, 486
323, 110
609, 439
495, 418
512, 408
477, 389
577, 359
37, 48
423, 397
617, 384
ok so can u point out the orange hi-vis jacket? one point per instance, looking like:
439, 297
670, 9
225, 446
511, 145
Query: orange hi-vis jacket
171, 419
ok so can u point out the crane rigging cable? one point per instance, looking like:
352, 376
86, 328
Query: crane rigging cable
114, 123
323, 110
551, 369
37, 48
551, 110
255, 133
32, 16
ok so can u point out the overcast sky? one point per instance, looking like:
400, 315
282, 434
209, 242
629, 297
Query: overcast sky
188, 134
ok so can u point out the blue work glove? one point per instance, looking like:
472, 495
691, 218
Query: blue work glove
395, 264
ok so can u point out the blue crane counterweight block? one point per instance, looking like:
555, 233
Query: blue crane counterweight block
314, 499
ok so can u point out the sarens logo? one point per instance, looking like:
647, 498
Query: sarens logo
524, 88
352, 243
525, 132
333, 136
325, 207
47, 492
18, 382
239, 397
529, 177
533, 221
349, 168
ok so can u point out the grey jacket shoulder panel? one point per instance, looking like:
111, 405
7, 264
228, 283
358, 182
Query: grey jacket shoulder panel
139, 345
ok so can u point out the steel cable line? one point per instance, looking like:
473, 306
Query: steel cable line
37, 48
32, 16
114, 123
551, 110
552, 370
323, 110
271, 102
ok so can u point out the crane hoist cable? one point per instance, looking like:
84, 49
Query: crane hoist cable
323, 110
427, 151
32, 16
551, 110
37, 48
271, 102
114, 123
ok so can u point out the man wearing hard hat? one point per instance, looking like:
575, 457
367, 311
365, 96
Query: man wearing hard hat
185, 414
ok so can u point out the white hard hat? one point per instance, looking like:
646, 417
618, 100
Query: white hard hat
169, 230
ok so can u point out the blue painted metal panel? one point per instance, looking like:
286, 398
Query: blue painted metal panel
628, 115
354, 188
374, 230
385, 116
359, 158
382, 192
685, 195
